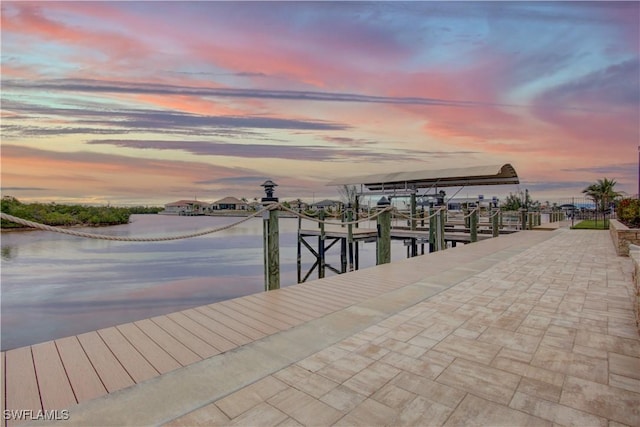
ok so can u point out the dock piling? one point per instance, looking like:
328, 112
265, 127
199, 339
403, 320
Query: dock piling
321, 239
473, 224
271, 239
383, 242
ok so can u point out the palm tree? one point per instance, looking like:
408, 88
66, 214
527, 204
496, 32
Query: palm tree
602, 193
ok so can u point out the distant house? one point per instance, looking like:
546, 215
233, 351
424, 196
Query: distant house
186, 207
327, 204
229, 203
298, 204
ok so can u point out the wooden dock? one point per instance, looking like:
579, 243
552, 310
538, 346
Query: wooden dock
531, 328
370, 234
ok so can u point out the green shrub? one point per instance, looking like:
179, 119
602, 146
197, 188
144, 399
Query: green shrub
629, 212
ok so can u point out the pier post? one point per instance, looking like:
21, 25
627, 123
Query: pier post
274, 250
441, 220
433, 225
321, 238
495, 230
523, 219
383, 242
414, 244
467, 219
473, 225
350, 236
530, 218
272, 239
299, 258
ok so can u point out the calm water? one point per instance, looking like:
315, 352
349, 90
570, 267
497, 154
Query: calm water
54, 285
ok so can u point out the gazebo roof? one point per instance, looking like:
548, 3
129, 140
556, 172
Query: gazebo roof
457, 177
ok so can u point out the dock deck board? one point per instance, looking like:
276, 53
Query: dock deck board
186, 338
175, 348
21, 383
217, 341
54, 385
132, 361
113, 375
84, 379
161, 361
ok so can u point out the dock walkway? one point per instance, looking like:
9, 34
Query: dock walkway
533, 328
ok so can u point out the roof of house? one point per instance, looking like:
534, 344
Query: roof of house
229, 201
187, 202
327, 203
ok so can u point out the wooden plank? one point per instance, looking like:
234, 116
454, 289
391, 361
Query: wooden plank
300, 294
131, 360
257, 311
216, 340
191, 341
182, 354
85, 381
246, 318
286, 306
232, 335
277, 305
231, 323
21, 385
300, 304
348, 290
338, 294
159, 359
113, 375
319, 297
54, 385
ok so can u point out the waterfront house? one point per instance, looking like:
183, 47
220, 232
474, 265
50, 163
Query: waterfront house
298, 204
328, 205
229, 203
186, 207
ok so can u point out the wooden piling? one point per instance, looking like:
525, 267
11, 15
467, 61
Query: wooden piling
473, 225
350, 237
523, 219
299, 246
442, 215
383, 245
321, 240
414, 244
274, 251
433, 225
530, 218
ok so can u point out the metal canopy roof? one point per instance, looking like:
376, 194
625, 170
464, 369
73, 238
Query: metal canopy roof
458, 177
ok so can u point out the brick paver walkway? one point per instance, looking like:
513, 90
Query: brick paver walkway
538, 335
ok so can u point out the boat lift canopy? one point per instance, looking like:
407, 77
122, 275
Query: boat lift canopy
407, 182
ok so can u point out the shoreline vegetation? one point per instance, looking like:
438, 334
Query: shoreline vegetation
54, 214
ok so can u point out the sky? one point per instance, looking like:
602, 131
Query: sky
153, 102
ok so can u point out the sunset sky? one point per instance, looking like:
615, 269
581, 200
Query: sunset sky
152, 102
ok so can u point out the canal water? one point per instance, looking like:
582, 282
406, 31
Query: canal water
54, 285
